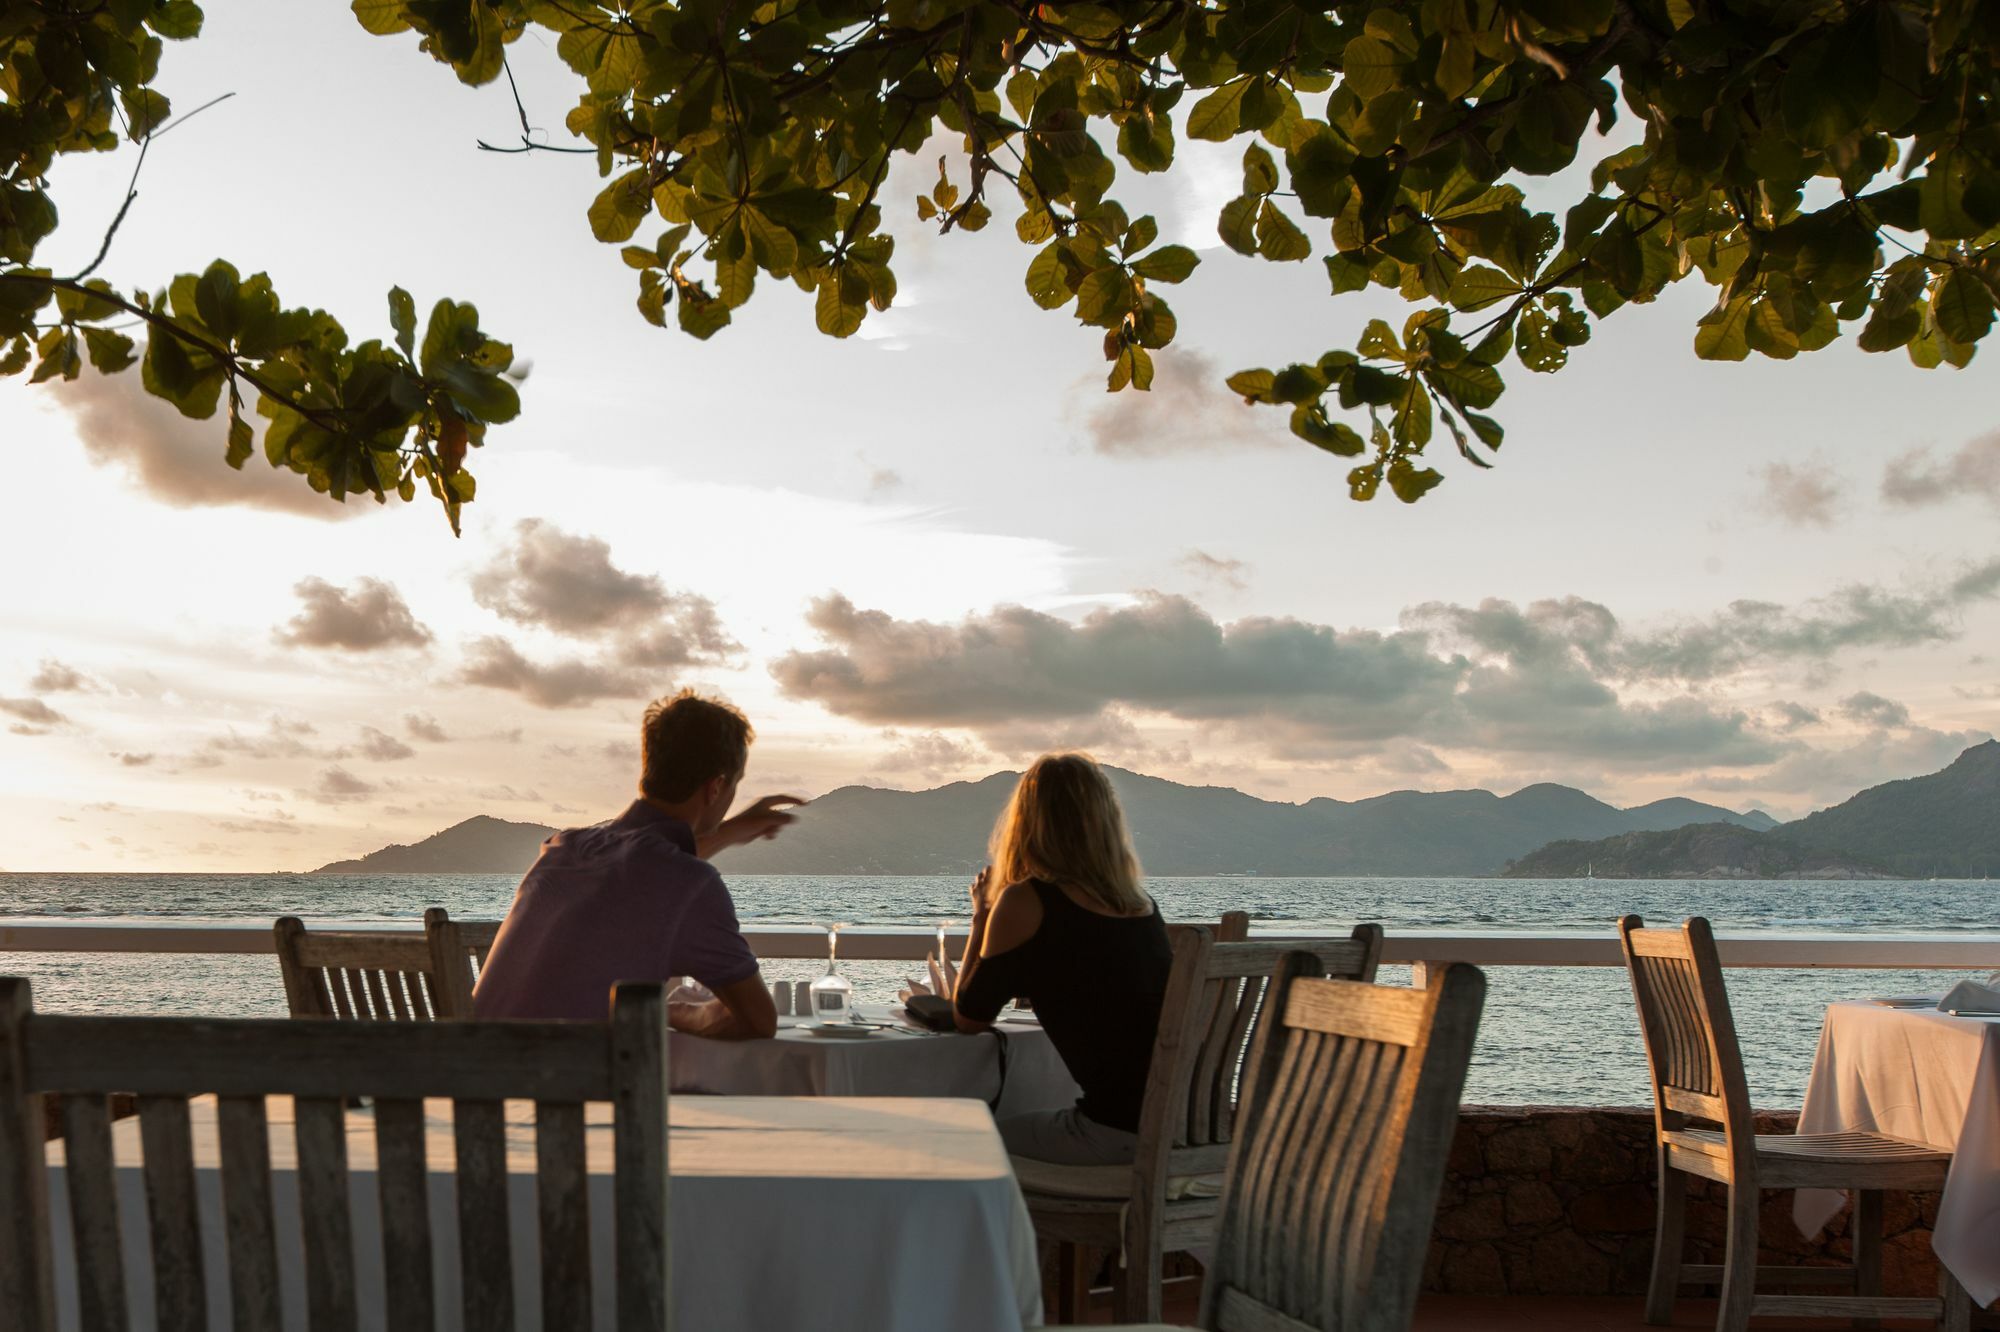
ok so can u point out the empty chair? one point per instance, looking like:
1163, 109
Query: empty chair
1167, 1199
168, 1061
1697, 1072
1350, 1101
382, 975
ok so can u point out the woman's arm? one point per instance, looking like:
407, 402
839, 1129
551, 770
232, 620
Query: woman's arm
1002, 920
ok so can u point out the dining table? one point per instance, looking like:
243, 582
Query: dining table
1903, 1069
889, 1214
1014, 1068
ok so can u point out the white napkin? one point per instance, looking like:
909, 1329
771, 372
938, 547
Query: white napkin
944, 980
1970, 997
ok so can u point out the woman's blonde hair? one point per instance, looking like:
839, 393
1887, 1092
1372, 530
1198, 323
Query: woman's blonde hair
1063, 826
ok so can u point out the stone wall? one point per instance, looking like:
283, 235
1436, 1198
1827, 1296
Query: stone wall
1559, 1200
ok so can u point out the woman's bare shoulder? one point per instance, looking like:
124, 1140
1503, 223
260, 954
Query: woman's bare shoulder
1017, 914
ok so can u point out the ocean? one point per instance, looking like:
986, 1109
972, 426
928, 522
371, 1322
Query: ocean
1551, 1035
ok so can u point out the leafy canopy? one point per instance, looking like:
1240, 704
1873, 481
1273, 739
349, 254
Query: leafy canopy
1816, 162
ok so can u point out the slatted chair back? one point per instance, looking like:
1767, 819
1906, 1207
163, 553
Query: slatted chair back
1334, 1175
1234, 927
166, 1061
376, 975
1208, 1019
1691, 1049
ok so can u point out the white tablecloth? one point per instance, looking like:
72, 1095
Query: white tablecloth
901, 1062
1926, 1077
889, 1215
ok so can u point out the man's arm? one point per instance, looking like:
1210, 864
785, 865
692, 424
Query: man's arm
741, 1011
763, 819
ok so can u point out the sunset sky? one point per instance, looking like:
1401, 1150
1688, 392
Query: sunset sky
927, 552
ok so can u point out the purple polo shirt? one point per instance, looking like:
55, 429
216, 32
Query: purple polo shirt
627, 900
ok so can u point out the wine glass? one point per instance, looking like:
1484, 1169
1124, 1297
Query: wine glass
832, 995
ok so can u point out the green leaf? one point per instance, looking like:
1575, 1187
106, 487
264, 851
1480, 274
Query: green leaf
384, 18
1278, 237
1169, 263
242, 440
1371, 67
1477, 287
1723, 333
1260, 170
836, 317
403, 317
1254, 385
16, 358
1962, 306
109, 352
619, 208
1238, 224
1217, 116
1046, 283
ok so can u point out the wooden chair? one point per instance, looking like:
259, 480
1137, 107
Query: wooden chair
1347, 1118
1168, 1200
559, 1066
380, 975
1697, 1071
1234, 927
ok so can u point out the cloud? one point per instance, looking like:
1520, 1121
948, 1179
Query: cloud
933, 754
1298, 690
133, 760
281, 739
33, 717
176, 461
423, 726
56, 678
1189, 409
337, 786
565, 683
382, 747
551, 579
1802, 496
508, 793
1917, 479
1744, 635
1874, 710
568, 585
371, 616
1213, 568
1789, 716
282, 827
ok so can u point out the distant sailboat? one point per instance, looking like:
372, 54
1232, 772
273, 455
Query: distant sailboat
1590, 869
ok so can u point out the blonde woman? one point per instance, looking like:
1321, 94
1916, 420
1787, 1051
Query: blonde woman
1060, 918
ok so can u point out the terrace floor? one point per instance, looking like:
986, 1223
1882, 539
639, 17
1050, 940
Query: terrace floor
1466, 1313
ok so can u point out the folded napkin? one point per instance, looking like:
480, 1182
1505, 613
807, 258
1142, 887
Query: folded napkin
943, 980
1971, 997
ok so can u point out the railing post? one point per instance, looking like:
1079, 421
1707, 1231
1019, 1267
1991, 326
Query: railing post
1423, 974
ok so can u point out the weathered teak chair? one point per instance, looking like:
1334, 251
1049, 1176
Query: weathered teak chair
1167, 1199
166, 1061
1697, 1071
382, 975
1350, 1103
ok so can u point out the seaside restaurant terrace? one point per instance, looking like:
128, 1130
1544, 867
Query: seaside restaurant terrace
1305, 1161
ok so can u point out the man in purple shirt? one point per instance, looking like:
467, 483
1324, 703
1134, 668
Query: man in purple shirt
636, 899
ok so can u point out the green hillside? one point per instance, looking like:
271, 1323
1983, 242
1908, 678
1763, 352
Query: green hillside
1943, 825
1701, 851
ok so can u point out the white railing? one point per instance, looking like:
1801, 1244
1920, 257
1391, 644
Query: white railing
1424, 948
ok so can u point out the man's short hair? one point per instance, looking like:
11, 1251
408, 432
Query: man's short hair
687, 740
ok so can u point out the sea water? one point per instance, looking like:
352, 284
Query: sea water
1551, 1035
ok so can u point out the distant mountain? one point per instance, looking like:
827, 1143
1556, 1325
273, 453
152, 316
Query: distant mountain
1183, 830
1944, 825
479, 845
1700, 851
1180, 830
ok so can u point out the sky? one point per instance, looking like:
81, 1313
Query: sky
928, 552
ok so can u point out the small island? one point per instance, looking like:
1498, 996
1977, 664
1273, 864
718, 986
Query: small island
1699, 851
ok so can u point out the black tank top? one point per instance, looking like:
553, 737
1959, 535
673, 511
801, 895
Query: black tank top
1096, 982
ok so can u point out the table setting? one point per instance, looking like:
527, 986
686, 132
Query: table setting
1924, 1069
754, 1180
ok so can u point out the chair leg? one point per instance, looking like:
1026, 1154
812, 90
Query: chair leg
1668, 1238
1957, 1303
1072, 1284
1136, 1291
1867, 1248
1739, 1260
